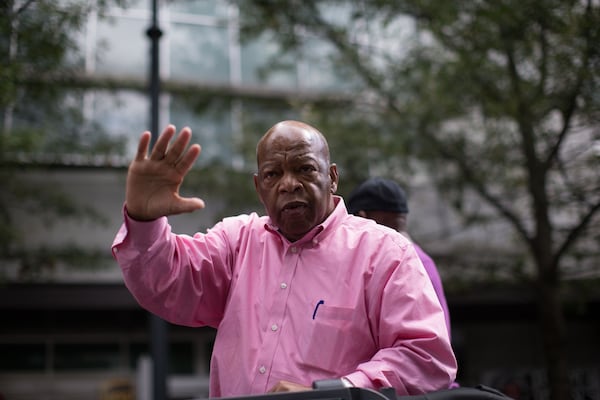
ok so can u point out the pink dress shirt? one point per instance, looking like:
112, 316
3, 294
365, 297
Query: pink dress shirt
350, 299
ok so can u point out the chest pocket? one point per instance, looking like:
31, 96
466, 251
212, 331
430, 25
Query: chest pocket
336, 339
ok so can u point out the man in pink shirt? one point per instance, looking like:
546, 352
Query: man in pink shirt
305, 293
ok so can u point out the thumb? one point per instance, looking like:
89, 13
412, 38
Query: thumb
187, 204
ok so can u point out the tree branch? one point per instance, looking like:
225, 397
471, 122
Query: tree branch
23, 7
576, 231
477, 184
571, 102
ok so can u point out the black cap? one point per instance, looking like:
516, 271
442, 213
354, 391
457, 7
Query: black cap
377, 194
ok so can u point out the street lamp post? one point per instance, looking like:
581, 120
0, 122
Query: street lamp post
158, 327
154, 33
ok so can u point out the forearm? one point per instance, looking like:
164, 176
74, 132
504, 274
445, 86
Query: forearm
165, 271
409, 371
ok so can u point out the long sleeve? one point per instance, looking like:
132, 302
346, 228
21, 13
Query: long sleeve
414, 353
183, 279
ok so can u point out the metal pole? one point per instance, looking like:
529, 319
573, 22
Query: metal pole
154, 33
158, 327
160, 357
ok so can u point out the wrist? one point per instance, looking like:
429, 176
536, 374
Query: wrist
135, 216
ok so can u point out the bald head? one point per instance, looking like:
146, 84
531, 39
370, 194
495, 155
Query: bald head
292, 132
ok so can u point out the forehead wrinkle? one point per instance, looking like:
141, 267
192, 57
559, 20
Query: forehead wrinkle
288, 136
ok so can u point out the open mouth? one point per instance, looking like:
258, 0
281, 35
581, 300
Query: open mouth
294, 207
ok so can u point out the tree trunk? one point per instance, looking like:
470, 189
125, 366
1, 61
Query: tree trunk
552, 322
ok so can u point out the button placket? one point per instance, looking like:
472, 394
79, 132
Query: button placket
277, 312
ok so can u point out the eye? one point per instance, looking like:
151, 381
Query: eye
269, 174
307, 169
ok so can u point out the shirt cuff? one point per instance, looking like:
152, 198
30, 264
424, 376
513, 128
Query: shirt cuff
143, 233
359, 379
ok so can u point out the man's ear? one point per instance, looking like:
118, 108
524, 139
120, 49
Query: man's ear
256, 188
333, 177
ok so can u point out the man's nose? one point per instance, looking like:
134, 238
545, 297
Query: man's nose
289, 183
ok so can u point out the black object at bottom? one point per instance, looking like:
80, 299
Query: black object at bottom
318, 394
330, 390
480, 392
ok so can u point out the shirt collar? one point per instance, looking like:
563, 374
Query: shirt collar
322, 230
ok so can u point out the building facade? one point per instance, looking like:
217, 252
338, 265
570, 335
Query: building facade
71, 330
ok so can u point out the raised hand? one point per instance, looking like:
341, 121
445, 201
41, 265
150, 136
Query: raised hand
153, 182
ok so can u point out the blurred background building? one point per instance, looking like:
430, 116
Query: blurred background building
71, 330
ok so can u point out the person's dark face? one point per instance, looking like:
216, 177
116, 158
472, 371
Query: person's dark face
390, 219
295, 181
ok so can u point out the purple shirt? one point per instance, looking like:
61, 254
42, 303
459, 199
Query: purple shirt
432, 271
350, 299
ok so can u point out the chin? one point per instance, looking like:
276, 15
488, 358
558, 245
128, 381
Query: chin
293, 233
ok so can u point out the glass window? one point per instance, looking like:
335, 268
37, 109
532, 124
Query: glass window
75, 56
140, 4
137, 350
257, 56
199, 53
317, 71
86, 356
123, 115
51, 124
122, 47
215, 8
210, 120
22, 357
181, 356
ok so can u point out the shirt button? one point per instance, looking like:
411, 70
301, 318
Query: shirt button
262, 369
294, 250
315, 241
274, 327
283, 285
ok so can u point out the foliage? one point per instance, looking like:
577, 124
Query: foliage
41, 120
41, 112
497, 98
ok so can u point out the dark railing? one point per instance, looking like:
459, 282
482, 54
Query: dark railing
328, 390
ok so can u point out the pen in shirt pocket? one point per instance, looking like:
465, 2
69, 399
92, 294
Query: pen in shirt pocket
317, 307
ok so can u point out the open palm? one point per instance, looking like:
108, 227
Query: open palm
153, 182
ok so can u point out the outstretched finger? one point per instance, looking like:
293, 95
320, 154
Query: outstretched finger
177, 148
160, 147
187, 161
142, 149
